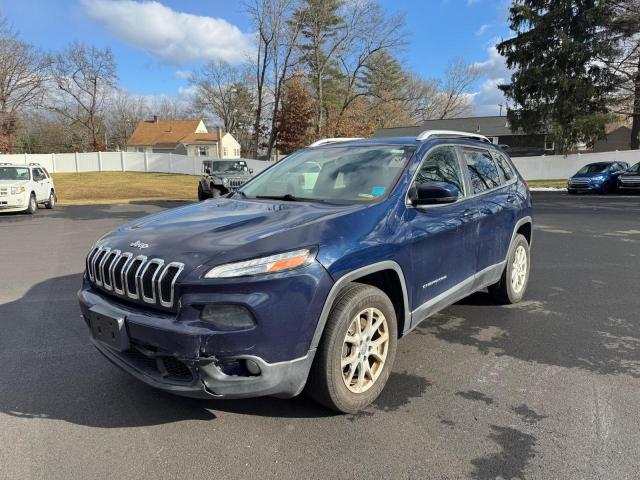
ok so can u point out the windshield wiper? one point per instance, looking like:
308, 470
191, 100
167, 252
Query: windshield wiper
286, 197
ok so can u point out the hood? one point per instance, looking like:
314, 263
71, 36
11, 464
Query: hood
13, 183
223, 230
590, 175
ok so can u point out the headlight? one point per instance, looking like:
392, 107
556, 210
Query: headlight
225, 181
271, 264
599, 178
17, 190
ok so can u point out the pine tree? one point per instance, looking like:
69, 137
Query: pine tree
294, 117
558, 81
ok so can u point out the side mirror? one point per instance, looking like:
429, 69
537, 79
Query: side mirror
433, 193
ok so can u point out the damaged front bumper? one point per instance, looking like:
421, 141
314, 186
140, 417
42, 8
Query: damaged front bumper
175, 356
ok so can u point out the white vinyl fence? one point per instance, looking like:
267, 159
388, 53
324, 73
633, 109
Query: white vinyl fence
555, 167
120, 162
545, 167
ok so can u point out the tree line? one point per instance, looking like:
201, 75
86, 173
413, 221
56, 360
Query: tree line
320, 68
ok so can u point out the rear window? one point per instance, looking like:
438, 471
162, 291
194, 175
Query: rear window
482, 169
505, 167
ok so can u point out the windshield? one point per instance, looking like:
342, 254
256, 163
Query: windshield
233, 166
361, 173
14, 173
594, 168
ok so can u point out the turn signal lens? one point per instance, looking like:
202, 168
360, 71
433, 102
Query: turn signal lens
274, 263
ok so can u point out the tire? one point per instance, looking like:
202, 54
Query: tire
363, 305
215, 193
51, 203
201, 195
33, 205
508, 290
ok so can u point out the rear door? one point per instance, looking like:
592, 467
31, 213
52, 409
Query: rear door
443, 237
496, 203
40, 184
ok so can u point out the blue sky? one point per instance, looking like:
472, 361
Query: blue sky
155, 43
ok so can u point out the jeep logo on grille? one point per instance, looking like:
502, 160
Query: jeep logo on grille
139, 244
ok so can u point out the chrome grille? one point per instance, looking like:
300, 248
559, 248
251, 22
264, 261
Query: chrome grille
579, 182
236, 182
151, 281
630, 182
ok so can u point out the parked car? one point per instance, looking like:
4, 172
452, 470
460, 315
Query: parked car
630, 179
272, 290
220, 177
600, 177
24, 187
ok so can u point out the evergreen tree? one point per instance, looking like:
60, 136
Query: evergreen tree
558, 81
294, 117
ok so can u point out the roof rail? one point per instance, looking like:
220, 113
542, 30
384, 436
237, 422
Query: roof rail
34, 164
6, 163
326, 141
427, 134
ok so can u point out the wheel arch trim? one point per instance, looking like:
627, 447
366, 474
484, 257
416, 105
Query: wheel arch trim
352, 276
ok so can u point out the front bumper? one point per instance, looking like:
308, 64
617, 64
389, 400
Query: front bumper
14, 203
178, 353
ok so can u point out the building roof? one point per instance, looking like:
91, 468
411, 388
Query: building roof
169, 132
489, 126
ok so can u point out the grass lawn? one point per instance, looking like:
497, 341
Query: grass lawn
548, 183
123, 187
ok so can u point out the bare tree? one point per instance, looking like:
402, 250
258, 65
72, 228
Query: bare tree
278, 33
83, 76
22, 71
124, 112
368, 32
226, 93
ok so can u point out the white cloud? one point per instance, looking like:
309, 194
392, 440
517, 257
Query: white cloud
494, 69
171, 36
183, 74
483, 28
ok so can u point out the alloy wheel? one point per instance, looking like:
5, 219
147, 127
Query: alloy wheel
519, 269
364, 350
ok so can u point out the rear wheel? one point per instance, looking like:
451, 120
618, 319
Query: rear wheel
515, 277
32, 207
52, 200
358, 348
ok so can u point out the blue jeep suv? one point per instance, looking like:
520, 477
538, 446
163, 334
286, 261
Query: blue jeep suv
599, 177
305, 277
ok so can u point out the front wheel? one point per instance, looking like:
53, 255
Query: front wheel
201, 195
515, 277
606, 188
358, 348
32, 207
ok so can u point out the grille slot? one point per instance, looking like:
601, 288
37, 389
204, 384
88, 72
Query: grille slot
134, 277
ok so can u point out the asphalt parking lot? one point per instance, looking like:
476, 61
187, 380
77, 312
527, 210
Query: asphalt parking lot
549, 388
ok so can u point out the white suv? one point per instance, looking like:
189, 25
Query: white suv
23, 187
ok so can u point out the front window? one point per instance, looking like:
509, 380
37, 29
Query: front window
635, 168
441, 165
14, 173
594, 168
351, 174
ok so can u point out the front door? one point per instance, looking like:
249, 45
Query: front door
443, 249
40, 182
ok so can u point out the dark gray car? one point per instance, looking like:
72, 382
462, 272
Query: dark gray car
220, 177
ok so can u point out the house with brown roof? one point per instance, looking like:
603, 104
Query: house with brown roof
182, 137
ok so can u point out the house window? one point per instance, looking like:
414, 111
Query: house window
226, 152
549, 144
493, 140
202, 151
236, 152
140, 149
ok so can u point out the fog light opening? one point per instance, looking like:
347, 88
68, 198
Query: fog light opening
252, 367
227, 317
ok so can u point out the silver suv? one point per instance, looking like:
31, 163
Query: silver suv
23, 187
